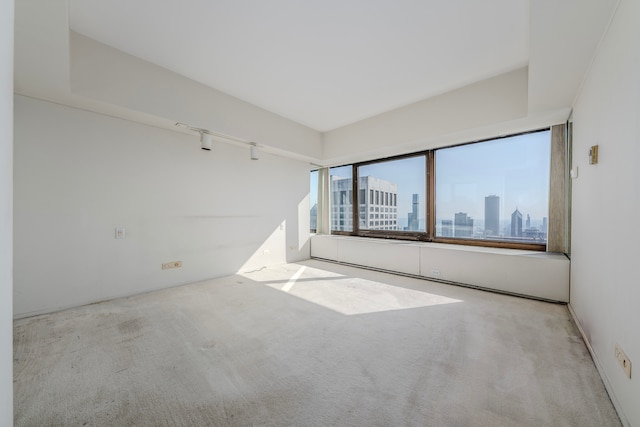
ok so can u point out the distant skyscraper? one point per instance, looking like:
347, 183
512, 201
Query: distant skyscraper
412, 217
463, 226
492, 216
314, 217
528, 223
447, 228
516, 224
545, 224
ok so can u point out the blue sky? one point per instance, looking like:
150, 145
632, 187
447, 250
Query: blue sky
516, 169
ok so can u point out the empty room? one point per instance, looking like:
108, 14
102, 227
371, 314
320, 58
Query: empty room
358, 213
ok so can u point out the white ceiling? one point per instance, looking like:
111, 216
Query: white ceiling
326, 63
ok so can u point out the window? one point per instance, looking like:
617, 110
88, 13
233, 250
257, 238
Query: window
341, 188
494, 190
402, 180
491, 193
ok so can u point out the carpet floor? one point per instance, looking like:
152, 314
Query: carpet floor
308, 344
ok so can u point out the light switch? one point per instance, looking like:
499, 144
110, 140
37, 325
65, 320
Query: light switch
120, 233
574, 173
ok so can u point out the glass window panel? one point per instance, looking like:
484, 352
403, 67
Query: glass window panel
494, 190
402, 181
340, 187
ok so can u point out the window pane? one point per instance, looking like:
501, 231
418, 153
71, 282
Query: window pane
398, 183
313, 200
494, 190
341, 188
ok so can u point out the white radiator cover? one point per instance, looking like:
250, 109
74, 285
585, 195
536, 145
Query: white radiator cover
530, 273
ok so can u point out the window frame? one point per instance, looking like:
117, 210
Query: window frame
429, 235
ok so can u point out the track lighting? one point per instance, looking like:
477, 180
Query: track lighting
206, 141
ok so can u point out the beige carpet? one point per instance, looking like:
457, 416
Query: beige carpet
309, 344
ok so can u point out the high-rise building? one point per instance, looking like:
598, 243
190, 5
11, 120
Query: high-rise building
528, 223
377, 199
341, 207
412, 217
492, 216
447, 228
463, 225
516, 224
314, 217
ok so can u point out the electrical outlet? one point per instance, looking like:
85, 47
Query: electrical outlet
121, 233
172, 264
623, 360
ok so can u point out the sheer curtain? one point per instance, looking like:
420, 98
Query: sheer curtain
323, 226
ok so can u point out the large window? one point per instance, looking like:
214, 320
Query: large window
493, 192
392, 195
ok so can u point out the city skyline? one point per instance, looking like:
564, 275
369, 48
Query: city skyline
491, 226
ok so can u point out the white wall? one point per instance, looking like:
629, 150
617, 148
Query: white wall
78, 175
102, 73
6, 211
605, 290
491, 101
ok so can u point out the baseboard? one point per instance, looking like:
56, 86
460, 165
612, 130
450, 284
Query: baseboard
605, 380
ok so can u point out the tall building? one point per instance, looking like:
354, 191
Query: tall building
463, 225
492, 216
516, 224
314, 217
528, 223
447, 228
377, 199
413, 223
341, 208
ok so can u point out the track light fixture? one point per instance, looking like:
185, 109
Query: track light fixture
206, 141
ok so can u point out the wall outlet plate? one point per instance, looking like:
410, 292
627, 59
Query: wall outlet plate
121, 233
624, 361
172, 264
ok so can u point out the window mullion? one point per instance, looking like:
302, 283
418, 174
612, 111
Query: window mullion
355, 202
431, 193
